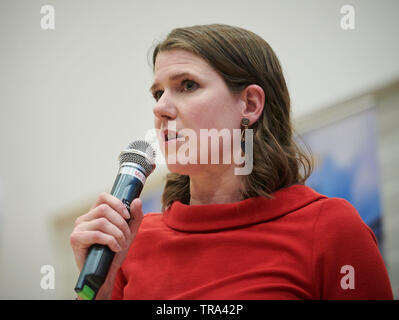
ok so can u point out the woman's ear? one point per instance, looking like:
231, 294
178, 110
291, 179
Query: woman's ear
254, 101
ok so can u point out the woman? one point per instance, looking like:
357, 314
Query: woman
261, 235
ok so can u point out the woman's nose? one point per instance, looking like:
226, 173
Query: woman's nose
165, 108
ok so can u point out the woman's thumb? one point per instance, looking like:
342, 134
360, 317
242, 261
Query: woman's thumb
136, 212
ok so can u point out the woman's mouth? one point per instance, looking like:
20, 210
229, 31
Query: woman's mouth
170, 136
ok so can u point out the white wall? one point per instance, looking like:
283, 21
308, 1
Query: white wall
73, 97
388, 132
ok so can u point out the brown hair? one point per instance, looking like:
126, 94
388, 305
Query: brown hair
242, 58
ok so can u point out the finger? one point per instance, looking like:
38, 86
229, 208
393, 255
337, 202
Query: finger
113, 202
136, 209
84, 239
104, 211
103, 225
137, 215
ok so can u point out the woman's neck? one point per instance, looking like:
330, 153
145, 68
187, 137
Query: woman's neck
222, 186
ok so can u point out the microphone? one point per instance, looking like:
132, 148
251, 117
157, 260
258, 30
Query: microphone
136, 163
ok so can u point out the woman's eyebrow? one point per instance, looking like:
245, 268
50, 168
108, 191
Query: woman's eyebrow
173, 77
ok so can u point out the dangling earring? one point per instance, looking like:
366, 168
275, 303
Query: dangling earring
244, 123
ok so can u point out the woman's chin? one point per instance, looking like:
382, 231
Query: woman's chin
186, 168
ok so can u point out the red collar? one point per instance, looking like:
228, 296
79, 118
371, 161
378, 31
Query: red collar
213, 217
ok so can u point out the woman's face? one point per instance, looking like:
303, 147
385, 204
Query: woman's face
190, 95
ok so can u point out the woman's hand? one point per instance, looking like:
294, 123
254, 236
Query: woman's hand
105, 224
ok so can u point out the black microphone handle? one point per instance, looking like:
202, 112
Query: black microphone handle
127, 187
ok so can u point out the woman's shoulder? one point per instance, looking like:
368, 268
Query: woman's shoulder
329, 208
338, 209
338, 217
329, 215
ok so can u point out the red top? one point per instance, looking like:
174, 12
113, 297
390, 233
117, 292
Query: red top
299, 245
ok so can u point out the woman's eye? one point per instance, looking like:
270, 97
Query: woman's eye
157, 95
189, 84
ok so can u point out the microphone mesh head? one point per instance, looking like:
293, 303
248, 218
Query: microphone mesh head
141, 153
143, 146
